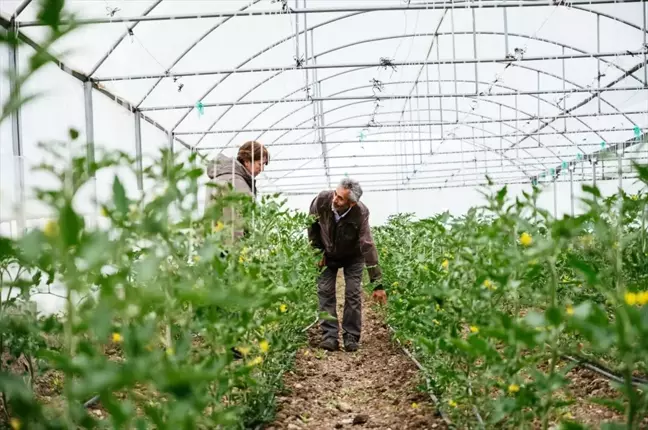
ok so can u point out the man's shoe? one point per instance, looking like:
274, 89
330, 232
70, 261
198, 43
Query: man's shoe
330, 344
350, 344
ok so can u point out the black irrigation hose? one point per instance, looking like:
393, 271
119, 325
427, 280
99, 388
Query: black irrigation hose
434, 398
603, 370
95, 399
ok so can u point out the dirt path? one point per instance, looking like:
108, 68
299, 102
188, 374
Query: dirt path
375, 387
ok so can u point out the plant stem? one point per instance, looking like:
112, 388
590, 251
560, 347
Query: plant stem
554, 340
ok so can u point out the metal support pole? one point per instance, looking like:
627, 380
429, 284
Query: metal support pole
571, 188
89, 122
555, 196
564, 87
440, 92
538, 110
16, 135
454, 64
474, 28
138, 151
90, 139
500, 139
594, 174
598, 50
506, 39
620, 169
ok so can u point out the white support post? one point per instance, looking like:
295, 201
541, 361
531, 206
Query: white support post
90, 140
571, 188
138, 150
16, 135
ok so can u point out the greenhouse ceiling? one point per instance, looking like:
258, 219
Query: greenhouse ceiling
400, 94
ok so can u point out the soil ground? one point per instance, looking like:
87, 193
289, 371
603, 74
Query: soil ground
375, 387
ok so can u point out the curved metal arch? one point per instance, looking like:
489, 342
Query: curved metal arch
455, 138
366, 101
120, 40
284, 40
189, 49
457, 80
362, 68
258, 54
466, 141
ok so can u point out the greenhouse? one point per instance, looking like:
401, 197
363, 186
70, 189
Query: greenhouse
484, 160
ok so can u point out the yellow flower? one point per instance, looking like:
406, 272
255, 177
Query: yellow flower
634, 197
264, 346
219, 227
241, 259
415, 405
245, 350
436, 322
631, 298
489, 285
445, 264
117, 338
196, 258
306, 352
283, 308
104, 212
474, 329
437, 307
526, 239
170, 351
256, 361
452, 403
570, 310
15, 424
51, 229
395, 284
642, 298
513, 388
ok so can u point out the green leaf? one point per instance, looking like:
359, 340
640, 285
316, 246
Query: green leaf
74, 134
50, 13
70, 224
119, 197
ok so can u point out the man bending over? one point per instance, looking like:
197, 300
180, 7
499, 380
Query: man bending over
341, 231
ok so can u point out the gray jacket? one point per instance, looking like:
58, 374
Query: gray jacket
225, 172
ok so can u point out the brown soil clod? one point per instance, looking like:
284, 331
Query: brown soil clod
370, 388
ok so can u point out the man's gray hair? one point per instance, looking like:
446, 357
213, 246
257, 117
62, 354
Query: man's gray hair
354, 187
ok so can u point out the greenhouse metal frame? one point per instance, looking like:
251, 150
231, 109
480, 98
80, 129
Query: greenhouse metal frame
533, 121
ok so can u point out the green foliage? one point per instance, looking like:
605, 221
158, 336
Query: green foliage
492, 300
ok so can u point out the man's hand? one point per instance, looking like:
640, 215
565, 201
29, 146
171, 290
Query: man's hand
379, 296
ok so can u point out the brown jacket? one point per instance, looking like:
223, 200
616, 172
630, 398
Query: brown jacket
347, 241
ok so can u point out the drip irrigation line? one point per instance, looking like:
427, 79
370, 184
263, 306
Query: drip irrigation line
603, 370
91, 402
433, 397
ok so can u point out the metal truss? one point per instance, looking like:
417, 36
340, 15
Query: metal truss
278, 12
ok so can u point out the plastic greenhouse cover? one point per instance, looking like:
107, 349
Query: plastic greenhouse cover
409, 97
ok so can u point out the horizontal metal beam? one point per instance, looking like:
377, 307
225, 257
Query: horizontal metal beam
498, 60
83, 78
272, 181
279, 12
466, 152
439, 186
480, 161
387, 124
391, 97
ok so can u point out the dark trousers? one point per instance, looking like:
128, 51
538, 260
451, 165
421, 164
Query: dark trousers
352, 318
